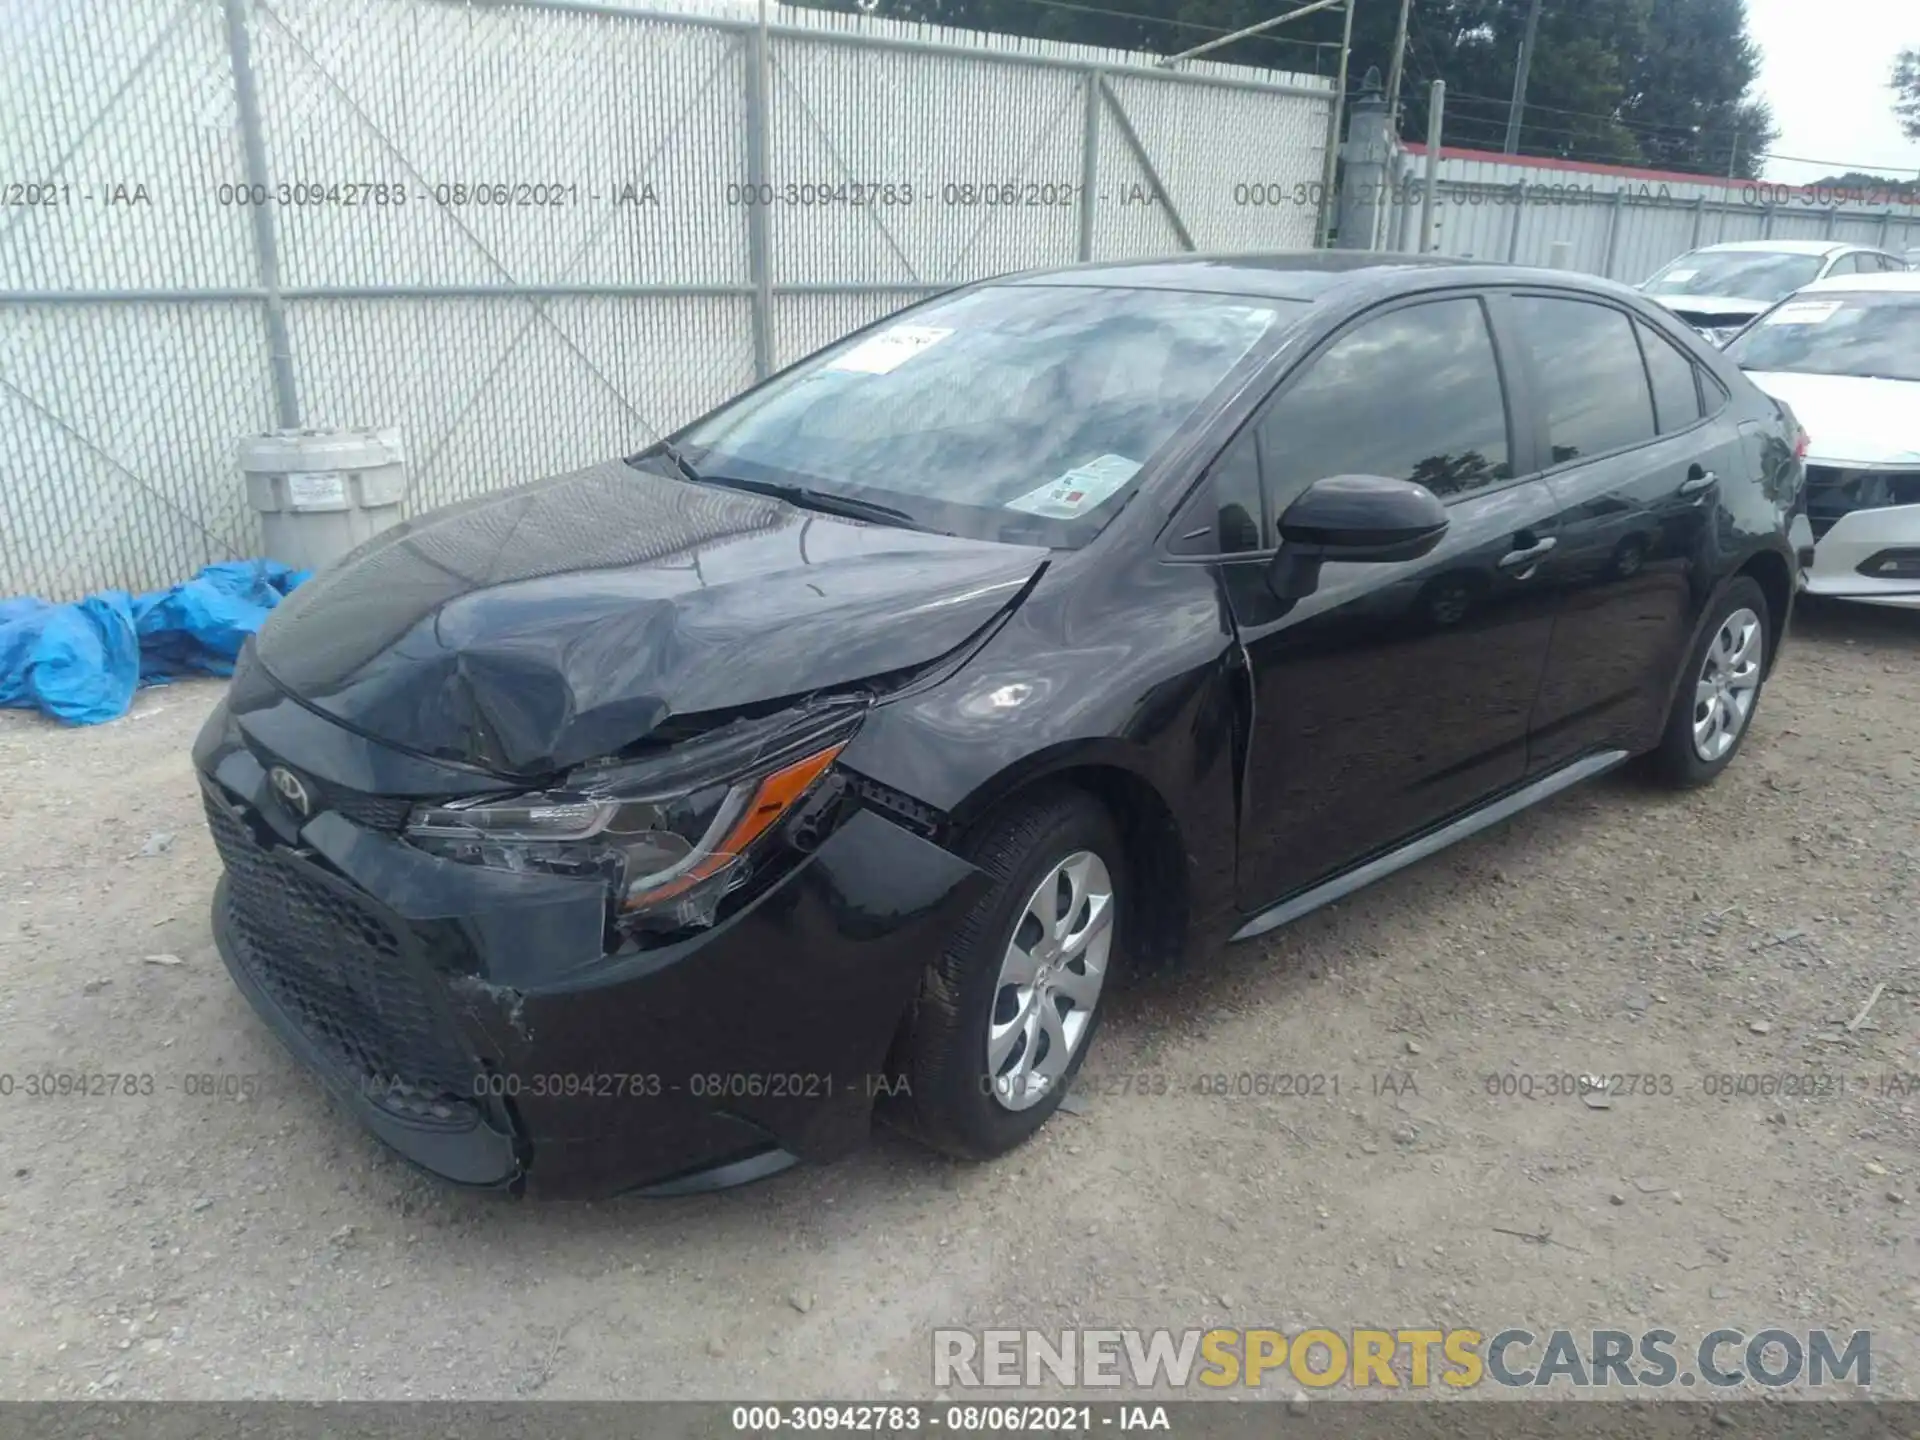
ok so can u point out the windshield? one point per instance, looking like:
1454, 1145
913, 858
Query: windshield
1014, 412
1737, 274
1869, 334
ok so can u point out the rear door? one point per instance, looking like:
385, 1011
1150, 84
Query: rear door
1634, 463
1395, 694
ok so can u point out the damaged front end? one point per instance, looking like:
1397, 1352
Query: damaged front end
670, 835
677, 966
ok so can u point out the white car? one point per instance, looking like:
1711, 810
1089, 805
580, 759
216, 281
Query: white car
1719, 288
1844, 354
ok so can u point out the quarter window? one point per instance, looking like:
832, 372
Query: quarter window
1234, 491
1676, 395
1588, 375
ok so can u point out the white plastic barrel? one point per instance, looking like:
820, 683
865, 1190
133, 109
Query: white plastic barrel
320, 493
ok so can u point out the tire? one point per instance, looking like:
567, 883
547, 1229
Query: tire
954, 1102
1681, 759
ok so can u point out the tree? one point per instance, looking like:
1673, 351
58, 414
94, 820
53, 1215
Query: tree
1643, 82
1686, 97
1906, 92
1860, 180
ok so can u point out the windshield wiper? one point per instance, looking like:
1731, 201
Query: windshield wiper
680, 461
808, 498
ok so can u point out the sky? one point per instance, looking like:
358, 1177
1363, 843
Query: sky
1824, 69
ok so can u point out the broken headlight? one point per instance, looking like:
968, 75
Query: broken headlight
670, 836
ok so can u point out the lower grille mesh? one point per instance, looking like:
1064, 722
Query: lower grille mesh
343, 975
1833, 494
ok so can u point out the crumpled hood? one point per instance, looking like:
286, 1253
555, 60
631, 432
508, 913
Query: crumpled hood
564, 620
1850, 419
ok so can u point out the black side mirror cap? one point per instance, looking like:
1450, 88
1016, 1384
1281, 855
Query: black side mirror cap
1355, 519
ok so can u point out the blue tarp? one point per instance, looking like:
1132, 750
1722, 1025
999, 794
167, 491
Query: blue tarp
81, 662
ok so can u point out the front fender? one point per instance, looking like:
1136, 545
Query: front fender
1135, 673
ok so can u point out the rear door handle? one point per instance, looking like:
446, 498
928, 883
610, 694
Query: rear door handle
1522, 560
1698, 482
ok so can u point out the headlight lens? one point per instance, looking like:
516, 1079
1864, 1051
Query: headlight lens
670, 837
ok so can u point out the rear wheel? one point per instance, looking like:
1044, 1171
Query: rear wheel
1719, 690
1007, 1012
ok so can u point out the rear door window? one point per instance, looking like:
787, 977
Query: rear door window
1588, 375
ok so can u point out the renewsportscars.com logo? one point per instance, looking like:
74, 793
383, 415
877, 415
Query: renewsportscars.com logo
1408, 1359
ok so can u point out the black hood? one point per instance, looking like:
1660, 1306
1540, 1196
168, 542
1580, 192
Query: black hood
567, 619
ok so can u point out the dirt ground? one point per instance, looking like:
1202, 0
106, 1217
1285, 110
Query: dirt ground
181, 1245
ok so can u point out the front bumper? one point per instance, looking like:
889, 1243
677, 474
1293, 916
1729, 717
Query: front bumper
490, 1028
1841, 556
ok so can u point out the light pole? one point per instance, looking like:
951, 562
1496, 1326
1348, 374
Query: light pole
1396, 69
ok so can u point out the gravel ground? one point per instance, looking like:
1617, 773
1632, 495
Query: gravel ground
185, 1246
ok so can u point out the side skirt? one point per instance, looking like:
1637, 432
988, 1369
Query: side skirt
1474, 821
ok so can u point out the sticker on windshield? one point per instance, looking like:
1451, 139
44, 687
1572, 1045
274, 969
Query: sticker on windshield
1678, 275
1079, 489
1803, 312
889, 350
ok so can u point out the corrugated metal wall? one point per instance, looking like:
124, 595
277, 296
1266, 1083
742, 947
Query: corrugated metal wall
676, 219
1621, 224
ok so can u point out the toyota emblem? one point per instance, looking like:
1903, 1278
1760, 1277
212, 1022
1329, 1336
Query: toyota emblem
291, 790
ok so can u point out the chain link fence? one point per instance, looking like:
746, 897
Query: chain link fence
530, 234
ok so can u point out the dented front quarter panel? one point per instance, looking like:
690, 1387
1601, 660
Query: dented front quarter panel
1117, 660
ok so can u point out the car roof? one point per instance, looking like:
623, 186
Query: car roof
1293, 274
1903, 282
1781, 247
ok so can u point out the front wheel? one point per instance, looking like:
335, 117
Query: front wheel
1719, 690
1007, 1012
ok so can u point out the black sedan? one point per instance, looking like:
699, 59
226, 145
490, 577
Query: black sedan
652, 826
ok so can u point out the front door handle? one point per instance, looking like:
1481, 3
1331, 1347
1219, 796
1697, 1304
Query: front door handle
1698, 482
1521, 561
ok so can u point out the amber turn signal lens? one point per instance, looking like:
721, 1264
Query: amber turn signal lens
772, 798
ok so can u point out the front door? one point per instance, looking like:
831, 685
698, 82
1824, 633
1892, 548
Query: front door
1395, 694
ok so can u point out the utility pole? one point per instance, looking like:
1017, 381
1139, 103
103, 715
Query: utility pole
1323, 221
1733, 156
1520, 79
1436, 109
1394, 71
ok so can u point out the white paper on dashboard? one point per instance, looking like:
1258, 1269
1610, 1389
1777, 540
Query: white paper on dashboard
889, 350
1804, 312
1079, 489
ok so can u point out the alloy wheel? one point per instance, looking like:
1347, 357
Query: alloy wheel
1050, 980
1729, 681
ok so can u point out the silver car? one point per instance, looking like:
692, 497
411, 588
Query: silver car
1844, 355
1719, 288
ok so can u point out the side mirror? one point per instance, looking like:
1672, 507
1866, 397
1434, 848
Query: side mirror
1356, 519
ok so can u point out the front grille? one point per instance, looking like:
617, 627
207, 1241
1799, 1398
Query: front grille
1833, 493
343, 974
375, 812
